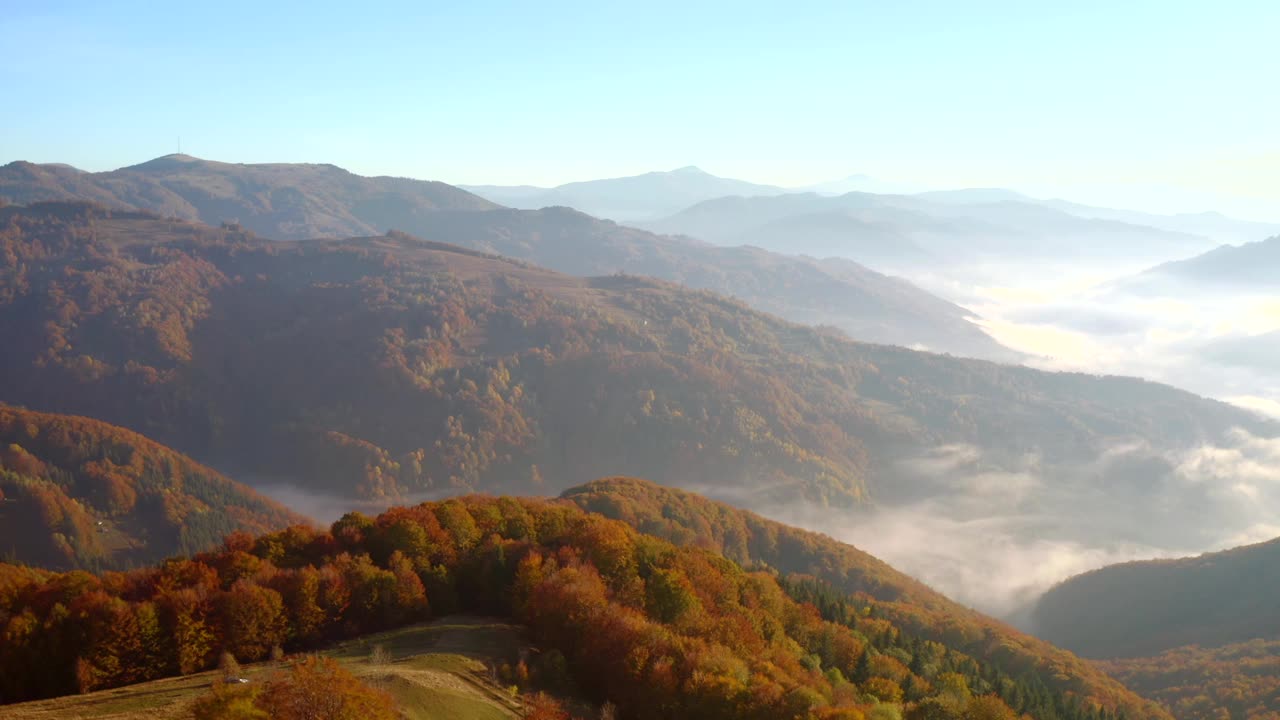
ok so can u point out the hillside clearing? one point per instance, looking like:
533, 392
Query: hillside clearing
437, 671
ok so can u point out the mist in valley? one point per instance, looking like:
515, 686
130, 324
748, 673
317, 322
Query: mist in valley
996, 534
987, 291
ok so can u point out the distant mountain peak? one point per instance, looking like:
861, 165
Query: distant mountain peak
166, 162
61, 166
689, 170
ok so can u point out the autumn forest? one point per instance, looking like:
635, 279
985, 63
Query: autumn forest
230, 450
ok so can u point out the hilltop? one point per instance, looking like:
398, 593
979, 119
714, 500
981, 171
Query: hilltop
745, 537
657, 629
638, 197
276, 200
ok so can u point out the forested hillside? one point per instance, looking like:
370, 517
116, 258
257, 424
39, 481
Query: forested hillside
277, 200
303, 202
691, 520
79, 493
1199, 634
867, 305
1144, 608
1202, 683
661, 630
379, 367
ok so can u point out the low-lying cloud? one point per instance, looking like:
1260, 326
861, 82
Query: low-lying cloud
326, 508
995, 534
1218, 344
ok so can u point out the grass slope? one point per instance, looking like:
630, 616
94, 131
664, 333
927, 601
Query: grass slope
437, 672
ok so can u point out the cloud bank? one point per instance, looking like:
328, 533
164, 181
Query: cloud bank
995, 535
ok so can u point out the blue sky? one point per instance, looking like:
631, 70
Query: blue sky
1139, 97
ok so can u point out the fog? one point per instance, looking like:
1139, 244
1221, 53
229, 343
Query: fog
995, 535
325, 508
996, 532
1214, 344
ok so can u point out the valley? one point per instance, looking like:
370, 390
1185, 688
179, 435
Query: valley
659, 361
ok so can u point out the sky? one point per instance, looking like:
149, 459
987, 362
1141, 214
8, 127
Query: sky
1145, 104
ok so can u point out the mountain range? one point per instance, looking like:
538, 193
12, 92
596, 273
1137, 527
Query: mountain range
279, 201
387, 366
882, 224
650, 197
301, 202
926, 232
1235, 269
639, 197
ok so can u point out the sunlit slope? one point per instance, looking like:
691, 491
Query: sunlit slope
612, 616
304, 202
437, 671
690, 519
80, 493
387, 366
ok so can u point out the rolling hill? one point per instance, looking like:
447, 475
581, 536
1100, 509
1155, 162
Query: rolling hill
865, 304
1213, 225
1144, 608
79, 493
387, 366
614, 616
912, 233
440, 670
688, 519
280, 200
302, 202
639, 197
1230, 268
1199, 634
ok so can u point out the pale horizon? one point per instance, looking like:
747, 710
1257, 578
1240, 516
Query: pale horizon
1151, 106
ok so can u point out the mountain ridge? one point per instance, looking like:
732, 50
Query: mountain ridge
687, 518
864, 304
1167, 604
623, 616
948, 231
386, 366
630, 198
